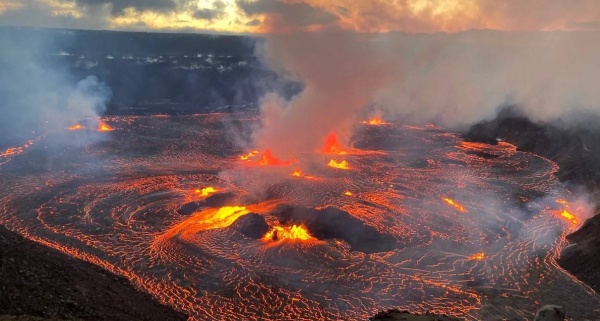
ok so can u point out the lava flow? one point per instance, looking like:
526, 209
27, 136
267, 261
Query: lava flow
454, 204
220, 238
222, 217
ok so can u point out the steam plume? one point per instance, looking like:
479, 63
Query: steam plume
38, 96
452, 79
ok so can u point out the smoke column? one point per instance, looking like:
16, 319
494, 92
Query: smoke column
452, 79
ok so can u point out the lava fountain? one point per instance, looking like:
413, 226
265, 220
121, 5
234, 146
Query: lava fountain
331, 145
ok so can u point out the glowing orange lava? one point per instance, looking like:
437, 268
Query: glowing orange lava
205, 191
267, 158
249, 155
348, 193
104, 127
76, 127
477, 256
331, 145
341, 165
291, 233
222, 217
297, 173
569, 217
375, 121
457, 206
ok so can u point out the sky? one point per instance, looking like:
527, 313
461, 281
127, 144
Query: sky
288, 16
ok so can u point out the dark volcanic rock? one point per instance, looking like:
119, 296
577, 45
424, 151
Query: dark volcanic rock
581, 257
396, 314
252, 225
41, 282
575, 149
333, 223
189, 208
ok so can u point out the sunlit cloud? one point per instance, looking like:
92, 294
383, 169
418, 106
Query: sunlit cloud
287, 16
6, 5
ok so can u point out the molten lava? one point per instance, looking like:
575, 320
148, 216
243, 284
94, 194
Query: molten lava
375, 121
267, 158
76, 127
457, 206
206, 191
104, 127
348, 193
331, 145
569, 217
341, 165
477, 256
297, 173
249, 155
222, 217
291, 233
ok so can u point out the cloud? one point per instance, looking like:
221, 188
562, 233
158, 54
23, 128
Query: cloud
52, 15
452, 79
286, 16
586, 25
119, 6
283, 16
217, 11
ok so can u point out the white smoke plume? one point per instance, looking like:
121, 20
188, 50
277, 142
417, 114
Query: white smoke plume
452, 79
40, 97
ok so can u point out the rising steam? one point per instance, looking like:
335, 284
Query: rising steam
38, 96
452, 79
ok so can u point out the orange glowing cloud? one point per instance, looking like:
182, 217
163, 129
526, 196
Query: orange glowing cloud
422, 15
288, 16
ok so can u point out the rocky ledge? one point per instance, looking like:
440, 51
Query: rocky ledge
40, 283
